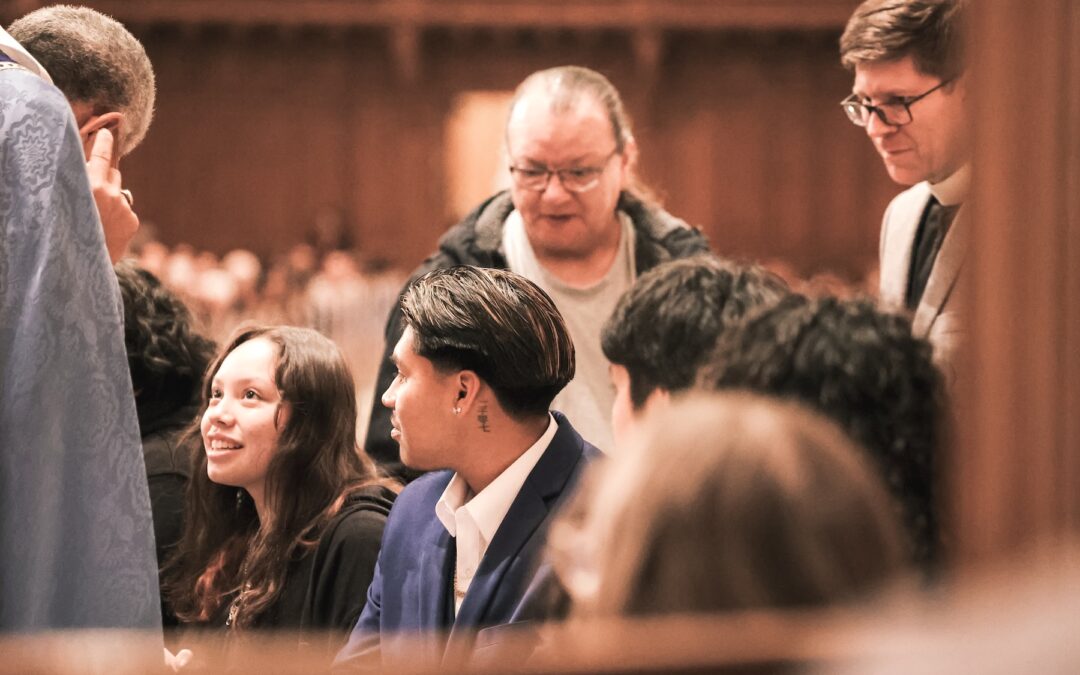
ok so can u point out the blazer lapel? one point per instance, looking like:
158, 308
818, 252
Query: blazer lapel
898, 240
435, 577
943, 276
525, 517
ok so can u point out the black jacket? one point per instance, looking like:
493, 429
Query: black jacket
326, 590
477, 240
167, 454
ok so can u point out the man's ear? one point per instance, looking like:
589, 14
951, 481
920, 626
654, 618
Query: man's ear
113, 121
469, 388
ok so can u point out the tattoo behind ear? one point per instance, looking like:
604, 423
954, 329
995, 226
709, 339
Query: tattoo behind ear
483, 418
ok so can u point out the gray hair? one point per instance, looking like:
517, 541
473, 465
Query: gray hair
93, 59
566, 86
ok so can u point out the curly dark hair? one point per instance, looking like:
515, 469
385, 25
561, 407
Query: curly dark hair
166, 355
663, 329
862, 368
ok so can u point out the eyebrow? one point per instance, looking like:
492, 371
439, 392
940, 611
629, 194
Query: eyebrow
884, 96
244, 381
578, 159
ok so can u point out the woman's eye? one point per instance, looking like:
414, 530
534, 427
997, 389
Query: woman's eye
251, 395
215, 394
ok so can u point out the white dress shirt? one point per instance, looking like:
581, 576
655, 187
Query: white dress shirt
953, 190
473, 520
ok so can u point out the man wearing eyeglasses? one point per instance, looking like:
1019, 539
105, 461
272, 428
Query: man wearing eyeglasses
575, 222
910, 94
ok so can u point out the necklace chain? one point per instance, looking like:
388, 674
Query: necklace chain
458, 593
234, 608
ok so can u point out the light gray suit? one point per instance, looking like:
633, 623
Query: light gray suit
937, 316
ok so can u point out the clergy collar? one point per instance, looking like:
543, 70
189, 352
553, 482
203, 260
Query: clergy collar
954, 189
16, 53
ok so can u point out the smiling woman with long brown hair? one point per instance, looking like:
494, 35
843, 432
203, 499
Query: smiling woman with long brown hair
284, 512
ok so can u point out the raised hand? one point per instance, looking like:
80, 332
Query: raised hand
114, 206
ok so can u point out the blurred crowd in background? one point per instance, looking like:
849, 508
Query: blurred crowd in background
334, 290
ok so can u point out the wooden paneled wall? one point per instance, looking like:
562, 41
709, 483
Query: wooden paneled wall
259, 126
739, 132
1016, 471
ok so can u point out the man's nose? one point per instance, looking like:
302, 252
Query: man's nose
555, 190
389, 397
876, 128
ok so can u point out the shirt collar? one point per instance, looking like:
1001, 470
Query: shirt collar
15, 52
953, 190
489, 507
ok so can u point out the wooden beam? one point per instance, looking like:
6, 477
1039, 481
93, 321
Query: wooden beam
598, 14
1016, 471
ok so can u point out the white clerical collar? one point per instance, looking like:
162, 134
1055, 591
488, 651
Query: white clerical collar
489, 507
954, 189
16, 53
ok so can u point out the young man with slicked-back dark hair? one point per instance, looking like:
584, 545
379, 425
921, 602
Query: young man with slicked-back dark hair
664, 328
483, 354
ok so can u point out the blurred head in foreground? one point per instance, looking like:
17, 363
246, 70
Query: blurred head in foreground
728, 502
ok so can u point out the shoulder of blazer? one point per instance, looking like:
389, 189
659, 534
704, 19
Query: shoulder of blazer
416, 503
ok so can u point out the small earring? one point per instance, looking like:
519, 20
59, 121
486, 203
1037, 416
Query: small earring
457, 410
239, 498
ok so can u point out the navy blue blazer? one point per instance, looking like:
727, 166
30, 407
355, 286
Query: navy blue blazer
409, 614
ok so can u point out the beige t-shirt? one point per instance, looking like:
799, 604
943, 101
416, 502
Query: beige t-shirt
587, 400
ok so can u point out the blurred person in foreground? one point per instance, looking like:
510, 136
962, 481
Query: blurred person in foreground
665, 327
108, 80
575, 221
727, 502
167, 358
911, 96
75, 524
862, 368
483, 354
284, 514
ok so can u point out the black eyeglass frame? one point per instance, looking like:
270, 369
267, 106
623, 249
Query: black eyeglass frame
854, 108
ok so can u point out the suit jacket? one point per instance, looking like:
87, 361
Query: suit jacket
409, 608
937, 316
